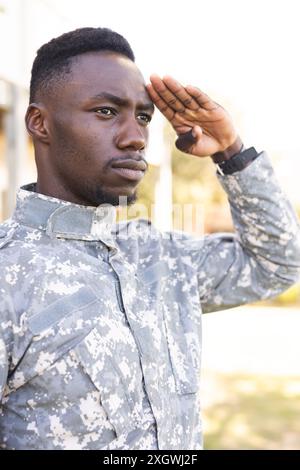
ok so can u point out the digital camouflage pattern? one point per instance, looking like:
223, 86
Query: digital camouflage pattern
100, 342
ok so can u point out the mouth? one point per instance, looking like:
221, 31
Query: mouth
130, 169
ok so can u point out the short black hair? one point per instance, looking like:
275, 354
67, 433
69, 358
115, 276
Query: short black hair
53, 60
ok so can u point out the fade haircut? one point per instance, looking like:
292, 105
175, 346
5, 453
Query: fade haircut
53, 60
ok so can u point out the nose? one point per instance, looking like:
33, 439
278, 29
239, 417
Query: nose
131, 135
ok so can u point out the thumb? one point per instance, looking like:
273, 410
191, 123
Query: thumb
197, 132
185, 141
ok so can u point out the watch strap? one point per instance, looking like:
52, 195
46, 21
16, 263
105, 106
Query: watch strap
238, 162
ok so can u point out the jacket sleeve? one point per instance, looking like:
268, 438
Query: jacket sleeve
262, 258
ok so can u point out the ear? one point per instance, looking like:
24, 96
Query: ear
37, 123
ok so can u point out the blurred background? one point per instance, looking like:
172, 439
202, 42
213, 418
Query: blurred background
245, 55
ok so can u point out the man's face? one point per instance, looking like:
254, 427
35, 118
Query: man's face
98, 122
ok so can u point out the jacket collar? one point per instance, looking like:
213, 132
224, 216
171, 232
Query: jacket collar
63, 219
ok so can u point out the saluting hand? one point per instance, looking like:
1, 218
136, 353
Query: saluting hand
203, 126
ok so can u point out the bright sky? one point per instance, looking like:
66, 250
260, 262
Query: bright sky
244, 53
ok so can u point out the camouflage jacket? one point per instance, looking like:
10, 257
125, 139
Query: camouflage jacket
100, 324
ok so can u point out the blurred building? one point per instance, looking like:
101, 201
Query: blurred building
20, 34
24, 26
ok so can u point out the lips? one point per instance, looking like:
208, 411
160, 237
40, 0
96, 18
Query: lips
130, 169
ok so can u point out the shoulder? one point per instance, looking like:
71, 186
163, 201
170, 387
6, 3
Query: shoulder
140, 229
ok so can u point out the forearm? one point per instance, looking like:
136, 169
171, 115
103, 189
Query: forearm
264, 219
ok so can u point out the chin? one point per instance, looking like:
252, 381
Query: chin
106, 197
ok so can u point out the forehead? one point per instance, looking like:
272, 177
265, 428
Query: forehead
96, 72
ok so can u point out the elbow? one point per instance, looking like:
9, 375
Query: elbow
281, 273
288, 274
288, 267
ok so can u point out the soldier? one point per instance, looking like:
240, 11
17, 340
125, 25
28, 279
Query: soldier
100, 326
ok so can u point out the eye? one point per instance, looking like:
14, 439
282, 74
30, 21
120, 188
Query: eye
105, 111
145, 118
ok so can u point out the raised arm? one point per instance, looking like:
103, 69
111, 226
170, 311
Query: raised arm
262, 258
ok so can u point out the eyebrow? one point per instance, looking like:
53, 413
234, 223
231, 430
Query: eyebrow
147, 106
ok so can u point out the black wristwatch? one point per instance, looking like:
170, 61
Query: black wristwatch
238, 162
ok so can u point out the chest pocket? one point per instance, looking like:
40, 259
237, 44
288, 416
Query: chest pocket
180, 326
98, 361
74, 323
52, 332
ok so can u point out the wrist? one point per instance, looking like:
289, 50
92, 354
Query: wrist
237, 162
229, 152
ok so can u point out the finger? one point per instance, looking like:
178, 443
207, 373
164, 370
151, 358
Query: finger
169, 97
197, 132
201, 98
181, 129
180, 92
160, 103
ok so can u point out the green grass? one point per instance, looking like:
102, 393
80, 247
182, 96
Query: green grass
252, 412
